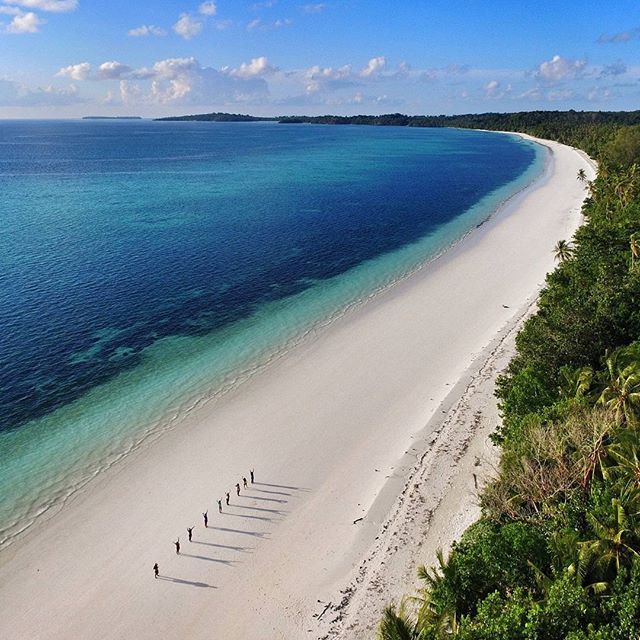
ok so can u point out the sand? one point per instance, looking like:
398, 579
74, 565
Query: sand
364, 440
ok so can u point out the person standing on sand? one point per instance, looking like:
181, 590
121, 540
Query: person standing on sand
227, 498
219, 506
244, 482
238, 488
205, 517
177, 543
251, 474
156, 570
190, 532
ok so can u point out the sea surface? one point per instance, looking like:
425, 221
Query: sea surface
146, 267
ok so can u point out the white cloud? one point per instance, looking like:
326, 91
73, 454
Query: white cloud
185, 81
112, 70
146, 30
491, 88
403, 71
374, 66
10, 11
266, 26
442, 73
208, 9
317, 78
317, 72
25, 23
598, 94
562, 94
55, 6
559, 68
534, 94
78, 71
169, 68
257, 67
13, 94
314, 8
130, 93
187, 26
621, 36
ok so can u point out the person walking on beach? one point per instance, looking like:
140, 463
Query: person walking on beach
156, 570
238, 488
244, 482
251, 474
227, 498
205, 517
190, 532
177, 543
220, 506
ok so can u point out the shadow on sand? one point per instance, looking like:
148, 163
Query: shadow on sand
278, 493
257, 534
191, 555
280, 486
187, 582
248, 495
242, 506
245, 515
224, 546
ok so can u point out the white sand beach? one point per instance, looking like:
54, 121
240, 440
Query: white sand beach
365, 440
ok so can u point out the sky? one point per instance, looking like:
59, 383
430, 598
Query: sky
70, 58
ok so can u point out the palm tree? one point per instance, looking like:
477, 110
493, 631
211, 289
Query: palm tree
440, 618
397, 626
612, 546
622, 393
563, 250
566, 558
634, 245
429, 619
576, 383
582, 175
624, 452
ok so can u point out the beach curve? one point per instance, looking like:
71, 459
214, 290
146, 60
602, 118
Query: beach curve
322, 427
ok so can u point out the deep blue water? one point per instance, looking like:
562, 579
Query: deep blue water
117, 233
116, 236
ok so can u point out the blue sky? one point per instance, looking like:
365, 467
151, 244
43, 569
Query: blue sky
68, 58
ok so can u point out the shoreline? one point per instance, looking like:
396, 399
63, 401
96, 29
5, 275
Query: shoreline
466, 417
361, 392
230, 381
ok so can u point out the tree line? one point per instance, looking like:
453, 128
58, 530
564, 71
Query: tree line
556, 552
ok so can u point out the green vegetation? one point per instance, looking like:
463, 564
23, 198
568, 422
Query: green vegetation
588, 130
593, 131
217, 117
556, 554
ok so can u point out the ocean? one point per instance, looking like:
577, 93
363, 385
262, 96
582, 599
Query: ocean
147, 267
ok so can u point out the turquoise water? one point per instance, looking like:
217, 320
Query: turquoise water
147, 267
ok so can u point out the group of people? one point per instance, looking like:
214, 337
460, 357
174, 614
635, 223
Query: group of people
205, 516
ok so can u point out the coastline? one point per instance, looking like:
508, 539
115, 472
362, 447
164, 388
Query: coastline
300, 318
362, 390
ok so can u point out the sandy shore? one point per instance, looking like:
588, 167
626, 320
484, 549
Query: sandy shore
394, 394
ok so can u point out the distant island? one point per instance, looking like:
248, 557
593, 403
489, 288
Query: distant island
112, 118
544, 124
219, 117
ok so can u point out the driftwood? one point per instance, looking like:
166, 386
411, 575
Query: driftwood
324, 611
